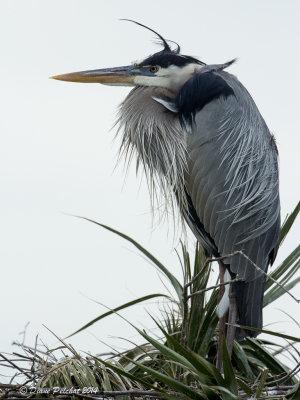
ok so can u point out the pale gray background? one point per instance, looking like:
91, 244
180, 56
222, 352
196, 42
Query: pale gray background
58, 156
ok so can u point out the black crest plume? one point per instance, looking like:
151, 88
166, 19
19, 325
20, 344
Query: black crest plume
164, 41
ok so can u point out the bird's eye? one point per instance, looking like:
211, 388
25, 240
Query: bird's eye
153, 69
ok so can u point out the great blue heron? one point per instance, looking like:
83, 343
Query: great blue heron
200, 137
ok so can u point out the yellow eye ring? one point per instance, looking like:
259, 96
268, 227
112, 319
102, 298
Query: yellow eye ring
153, 69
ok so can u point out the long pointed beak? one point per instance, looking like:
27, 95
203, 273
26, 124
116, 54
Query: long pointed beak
122, 76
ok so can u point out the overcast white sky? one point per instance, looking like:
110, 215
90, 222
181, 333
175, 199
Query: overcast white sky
57, 155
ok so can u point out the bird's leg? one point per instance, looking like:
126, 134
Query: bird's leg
222, 320
232, 319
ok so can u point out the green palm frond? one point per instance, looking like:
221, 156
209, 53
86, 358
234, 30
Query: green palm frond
184, 366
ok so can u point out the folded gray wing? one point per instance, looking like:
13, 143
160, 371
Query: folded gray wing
232, 179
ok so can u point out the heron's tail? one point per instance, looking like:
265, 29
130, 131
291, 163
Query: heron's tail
249, 299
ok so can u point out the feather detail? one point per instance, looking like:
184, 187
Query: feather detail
223, 306
156, 138
168, 104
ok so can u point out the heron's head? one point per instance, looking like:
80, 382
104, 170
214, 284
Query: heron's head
166, 68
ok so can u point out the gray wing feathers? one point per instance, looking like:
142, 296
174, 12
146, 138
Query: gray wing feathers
233, 179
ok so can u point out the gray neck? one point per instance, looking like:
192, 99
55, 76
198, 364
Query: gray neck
155, 136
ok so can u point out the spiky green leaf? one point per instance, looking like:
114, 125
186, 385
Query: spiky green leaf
288, 223
174, 281
262, 382
229, 374
113, 311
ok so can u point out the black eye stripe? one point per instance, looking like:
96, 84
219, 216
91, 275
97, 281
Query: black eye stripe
165, 59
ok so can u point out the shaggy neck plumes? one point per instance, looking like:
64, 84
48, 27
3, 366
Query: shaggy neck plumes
156, 137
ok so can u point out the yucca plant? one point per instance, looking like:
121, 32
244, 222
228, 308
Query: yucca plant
182, 362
